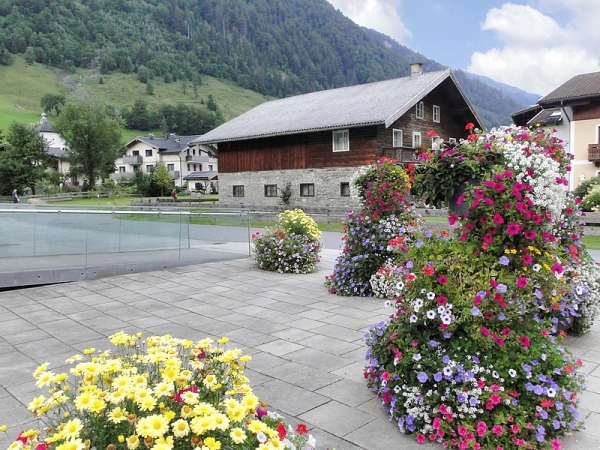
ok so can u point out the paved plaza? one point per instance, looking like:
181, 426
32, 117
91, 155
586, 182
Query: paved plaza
307, 345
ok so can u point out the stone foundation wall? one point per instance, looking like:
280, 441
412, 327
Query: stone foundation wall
326, 182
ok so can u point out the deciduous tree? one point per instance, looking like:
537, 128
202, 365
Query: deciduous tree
24, 161
93, 137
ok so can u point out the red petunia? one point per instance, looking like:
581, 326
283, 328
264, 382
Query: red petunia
469, 126
431, 133
301, 429
281, 431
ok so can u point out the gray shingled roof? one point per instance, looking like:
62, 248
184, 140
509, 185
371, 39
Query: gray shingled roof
580, 86
367, 104
166, 144
204, 175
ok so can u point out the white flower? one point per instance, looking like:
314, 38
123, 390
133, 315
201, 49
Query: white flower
512, 372
431, 314
550, 392
430, 296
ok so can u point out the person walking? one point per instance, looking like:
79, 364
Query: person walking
15, 196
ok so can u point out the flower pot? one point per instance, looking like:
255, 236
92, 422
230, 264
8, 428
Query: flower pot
460, 190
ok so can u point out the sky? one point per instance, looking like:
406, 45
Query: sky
535, 45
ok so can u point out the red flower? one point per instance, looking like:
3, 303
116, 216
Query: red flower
524, 340
442, 300
431, 133
281, 431
178, 398
472, 137
428, 270
469, 126
452, 219
301, 429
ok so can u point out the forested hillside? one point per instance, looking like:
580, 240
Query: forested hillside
274, 47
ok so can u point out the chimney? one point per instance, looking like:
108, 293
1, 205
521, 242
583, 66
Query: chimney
416, 70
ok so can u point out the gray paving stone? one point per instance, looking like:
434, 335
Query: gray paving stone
303, 376
347, 392
293, 334
317, 359
380, 434
337, 418
329, 344
289, 398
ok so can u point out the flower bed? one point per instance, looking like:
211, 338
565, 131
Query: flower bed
293, 246
160, 393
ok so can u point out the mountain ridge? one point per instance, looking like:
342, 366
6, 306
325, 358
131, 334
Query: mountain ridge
277, 48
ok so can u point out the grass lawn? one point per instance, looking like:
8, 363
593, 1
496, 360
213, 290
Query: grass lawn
592, 242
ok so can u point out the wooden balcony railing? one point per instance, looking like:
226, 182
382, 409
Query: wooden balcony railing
402, 154
594, 152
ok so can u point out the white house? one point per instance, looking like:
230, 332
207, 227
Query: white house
57, 147
175, 152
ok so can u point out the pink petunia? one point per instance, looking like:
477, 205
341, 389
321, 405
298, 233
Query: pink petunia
462, 430
442, 279
452, 219
527, 259
497, 429
556, 445
557, 268
529, 234
522, 282
498, 219
513, 229
421, 438
524, 340
481, 428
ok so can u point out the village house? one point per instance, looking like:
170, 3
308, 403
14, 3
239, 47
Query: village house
316, 141
188, 163
578, 101
57, 147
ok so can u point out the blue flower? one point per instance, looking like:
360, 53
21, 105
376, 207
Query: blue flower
422, 377
437, 376
475, 311
504, 260
501, 288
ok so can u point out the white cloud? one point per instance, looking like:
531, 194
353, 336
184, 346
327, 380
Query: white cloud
539, 53
381, 15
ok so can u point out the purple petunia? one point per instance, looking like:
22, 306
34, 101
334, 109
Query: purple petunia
422, 377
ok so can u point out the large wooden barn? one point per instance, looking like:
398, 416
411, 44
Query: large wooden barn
316, 141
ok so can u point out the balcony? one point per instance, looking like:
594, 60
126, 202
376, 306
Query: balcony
134, 160
402, 155
121, 176
594, 153
196, 158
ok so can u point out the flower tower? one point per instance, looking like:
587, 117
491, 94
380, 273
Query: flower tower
472, 356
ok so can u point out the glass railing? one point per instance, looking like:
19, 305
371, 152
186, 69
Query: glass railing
43, 238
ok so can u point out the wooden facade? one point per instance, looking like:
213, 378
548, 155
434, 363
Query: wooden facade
314, 150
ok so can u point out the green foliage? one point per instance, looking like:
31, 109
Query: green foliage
24, 161
161, 178
52, 103
585, 187
149, 89
591, 202
286, 193
93, 138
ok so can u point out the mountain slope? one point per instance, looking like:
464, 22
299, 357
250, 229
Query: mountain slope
276, 47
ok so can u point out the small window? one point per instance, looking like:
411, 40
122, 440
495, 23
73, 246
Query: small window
436, 113
135, 153
238, 191
171, 167
189, 168
270, 190
307, 190
148, 152
122, 169
420, 111
195, 167
345, 189
136, 168
435, 143
210, 167
149, 168
397, 138
341, 141
200, 167
194, 151
416, 139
